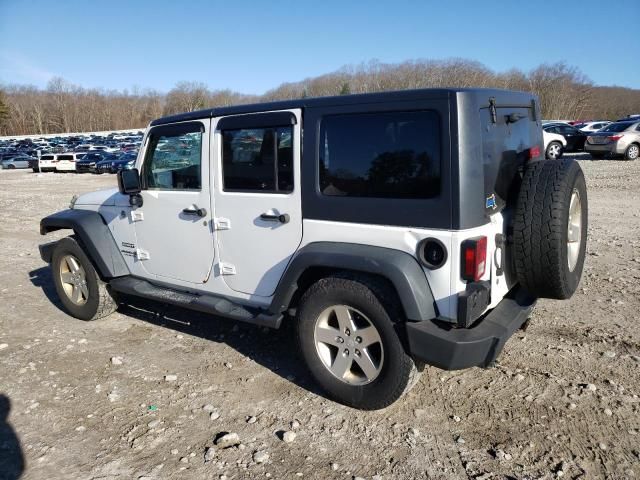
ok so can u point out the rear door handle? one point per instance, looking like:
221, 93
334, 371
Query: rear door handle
282, 218
200, 212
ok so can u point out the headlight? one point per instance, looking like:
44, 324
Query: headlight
73, 201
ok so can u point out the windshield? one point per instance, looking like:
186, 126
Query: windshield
617, 127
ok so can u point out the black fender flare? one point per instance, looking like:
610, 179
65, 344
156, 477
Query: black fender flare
95, 236
398, 267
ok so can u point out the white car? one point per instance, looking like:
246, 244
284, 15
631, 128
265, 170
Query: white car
67, 161
554, 145
47, 163
589, 127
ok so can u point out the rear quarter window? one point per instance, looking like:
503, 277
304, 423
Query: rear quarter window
383, 155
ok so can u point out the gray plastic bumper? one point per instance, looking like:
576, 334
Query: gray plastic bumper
457, 348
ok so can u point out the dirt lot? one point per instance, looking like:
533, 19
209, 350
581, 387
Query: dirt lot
561, 402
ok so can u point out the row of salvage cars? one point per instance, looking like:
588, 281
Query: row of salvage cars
620, 139
85, 162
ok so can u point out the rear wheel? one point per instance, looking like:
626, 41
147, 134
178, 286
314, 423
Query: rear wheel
11, 167
550, 228
348, 339
554, 151
632, 152
81, 291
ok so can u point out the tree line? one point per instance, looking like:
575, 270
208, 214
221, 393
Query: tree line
564, 92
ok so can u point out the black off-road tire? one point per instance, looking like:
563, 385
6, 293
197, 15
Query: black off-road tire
100, 302
398, 373
540, 228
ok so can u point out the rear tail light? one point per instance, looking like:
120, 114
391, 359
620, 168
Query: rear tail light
534, 152
615, 138
474, 258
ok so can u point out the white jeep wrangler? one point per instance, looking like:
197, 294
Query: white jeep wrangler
395, 229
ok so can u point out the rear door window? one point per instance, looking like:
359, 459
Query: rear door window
258, 159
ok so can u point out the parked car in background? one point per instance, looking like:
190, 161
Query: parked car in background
104, 166
67, 161
545, 122
574, 137
19, 161
618, 138
635, 117
124, 162
47, 163
554, 145
588, 127
89, 161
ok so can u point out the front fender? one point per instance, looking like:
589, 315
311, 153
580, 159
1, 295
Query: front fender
95, 236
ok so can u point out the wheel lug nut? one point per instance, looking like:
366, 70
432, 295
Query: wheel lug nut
339, 339
357, 352
346, 352
347, 331
358, 339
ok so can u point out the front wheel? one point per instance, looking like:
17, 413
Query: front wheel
554, 151
347, 337
632, 152
81, 291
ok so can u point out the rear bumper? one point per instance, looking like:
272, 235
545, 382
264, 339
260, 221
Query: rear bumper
606, 148
457, 348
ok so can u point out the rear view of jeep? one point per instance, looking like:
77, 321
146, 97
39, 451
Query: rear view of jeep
395, 230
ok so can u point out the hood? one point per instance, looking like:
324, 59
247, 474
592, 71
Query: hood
101, 197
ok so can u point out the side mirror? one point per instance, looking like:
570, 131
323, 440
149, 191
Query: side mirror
129, 181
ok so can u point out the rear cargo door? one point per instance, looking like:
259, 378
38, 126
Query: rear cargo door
507, 137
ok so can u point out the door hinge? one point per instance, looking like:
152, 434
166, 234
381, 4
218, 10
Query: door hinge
227, 269
142, 254
137, 215
221, 223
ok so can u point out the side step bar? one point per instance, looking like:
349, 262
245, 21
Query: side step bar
201, 302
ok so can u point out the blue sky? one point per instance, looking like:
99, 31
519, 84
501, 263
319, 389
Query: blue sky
254, 46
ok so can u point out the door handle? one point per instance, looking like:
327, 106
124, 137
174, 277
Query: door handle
200, 212
282, 218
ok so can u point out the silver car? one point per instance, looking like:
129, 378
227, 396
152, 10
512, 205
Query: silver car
16, 162
619, 138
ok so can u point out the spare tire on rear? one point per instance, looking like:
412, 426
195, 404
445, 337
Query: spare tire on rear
550, 228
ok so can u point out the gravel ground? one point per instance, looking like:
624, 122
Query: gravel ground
149, 391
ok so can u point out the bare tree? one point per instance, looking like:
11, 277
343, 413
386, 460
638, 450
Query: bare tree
563, 90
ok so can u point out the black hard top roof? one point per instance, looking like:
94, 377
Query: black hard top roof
381, 97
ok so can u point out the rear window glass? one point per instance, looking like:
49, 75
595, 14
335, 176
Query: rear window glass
384, 155
65, 157
46, 157
617, 127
